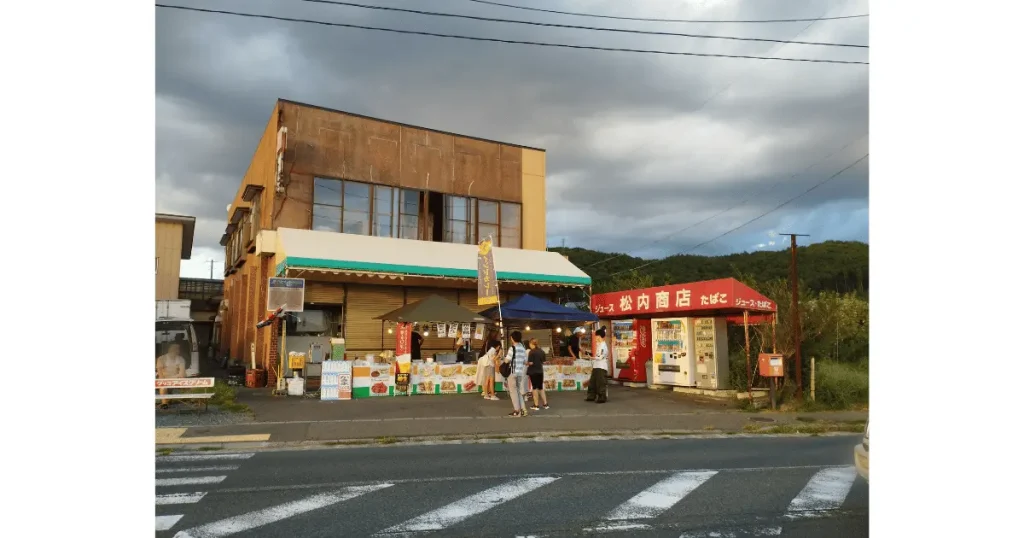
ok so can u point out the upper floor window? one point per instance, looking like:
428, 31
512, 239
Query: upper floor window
470, 220
364, 209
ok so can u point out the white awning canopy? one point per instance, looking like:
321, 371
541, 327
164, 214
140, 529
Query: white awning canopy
310, 249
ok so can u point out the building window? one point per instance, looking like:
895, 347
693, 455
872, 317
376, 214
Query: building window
487, 215
384, 211
458, 213
364, 209
511, 225
327, 205
355, 218
409, 214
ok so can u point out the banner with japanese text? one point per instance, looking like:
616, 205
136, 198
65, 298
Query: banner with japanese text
487, 277
403, 340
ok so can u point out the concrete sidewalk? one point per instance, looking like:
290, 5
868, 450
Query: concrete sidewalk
629, 411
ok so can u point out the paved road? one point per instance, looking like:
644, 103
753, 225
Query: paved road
793, 487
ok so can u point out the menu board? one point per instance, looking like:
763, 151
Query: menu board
422, 378
449, 378
336, 381
623, 341
381, 379
468, 383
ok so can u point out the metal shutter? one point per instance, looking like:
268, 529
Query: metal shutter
325, 293
363, 303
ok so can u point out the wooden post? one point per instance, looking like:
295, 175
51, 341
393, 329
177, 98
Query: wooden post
746, 336
812, 379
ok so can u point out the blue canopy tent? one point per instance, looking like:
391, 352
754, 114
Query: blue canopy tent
539, 311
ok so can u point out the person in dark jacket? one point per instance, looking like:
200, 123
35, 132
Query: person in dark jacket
535, 369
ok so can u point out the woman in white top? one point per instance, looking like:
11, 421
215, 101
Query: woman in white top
598, 387
485, 370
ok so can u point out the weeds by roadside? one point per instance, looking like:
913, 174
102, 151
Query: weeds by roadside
224, 397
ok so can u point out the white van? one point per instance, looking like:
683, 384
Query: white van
174, 325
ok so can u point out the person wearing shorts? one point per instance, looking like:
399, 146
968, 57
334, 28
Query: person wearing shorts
535, 370
485, 371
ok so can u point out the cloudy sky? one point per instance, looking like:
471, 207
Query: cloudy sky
640, 147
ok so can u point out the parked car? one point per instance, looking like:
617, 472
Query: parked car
860, 454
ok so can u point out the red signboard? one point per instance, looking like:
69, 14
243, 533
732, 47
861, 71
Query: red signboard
724, 295
403, 339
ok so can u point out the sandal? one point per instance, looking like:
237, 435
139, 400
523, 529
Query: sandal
514, 414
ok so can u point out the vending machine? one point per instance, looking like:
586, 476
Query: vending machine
711, 351
631, 349
671, 347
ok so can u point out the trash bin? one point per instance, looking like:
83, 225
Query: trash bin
650, 373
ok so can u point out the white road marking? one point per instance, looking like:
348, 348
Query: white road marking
463, 478
164, 523
199, 469
462, 509
826, 490
259, 518
189, 480
653, 501
203, 457
757, 531
180, 498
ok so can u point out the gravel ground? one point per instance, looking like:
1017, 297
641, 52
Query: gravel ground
212, 417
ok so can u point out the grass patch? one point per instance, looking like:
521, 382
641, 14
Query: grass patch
223, 397
709, 428
164, 451
389, 440
210, 448
841, 385
814, 429
346, 443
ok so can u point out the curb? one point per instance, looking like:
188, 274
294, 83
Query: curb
547, 437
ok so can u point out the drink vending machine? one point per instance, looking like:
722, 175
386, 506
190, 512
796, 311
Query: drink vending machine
672, 352
631, 349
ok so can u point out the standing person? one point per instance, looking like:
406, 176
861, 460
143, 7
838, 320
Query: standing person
574, 343
598, 387
535, 369
415, 343
485, 371
516, 370
170, 365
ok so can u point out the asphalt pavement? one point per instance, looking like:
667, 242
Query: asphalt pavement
727, 487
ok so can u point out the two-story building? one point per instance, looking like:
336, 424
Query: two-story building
373, 215
174, 235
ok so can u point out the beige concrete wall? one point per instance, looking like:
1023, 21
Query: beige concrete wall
168, 250
534, 200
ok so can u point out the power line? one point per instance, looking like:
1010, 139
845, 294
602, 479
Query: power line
755, 219
576, 27
726, 210
507, 41
642, 19
698, 109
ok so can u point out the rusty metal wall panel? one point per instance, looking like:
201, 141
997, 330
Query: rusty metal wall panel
426, 160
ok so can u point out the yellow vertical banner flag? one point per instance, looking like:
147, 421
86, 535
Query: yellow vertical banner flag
487, 277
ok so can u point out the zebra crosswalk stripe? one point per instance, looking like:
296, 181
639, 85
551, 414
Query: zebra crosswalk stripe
204, 457
653, 501
164, 523
189, 480
180, 498
462, 509
259, 518
826, 490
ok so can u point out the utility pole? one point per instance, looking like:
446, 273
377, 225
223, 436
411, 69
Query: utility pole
795, 313
211, 268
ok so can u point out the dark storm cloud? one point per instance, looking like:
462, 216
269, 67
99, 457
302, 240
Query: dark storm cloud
688, 158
